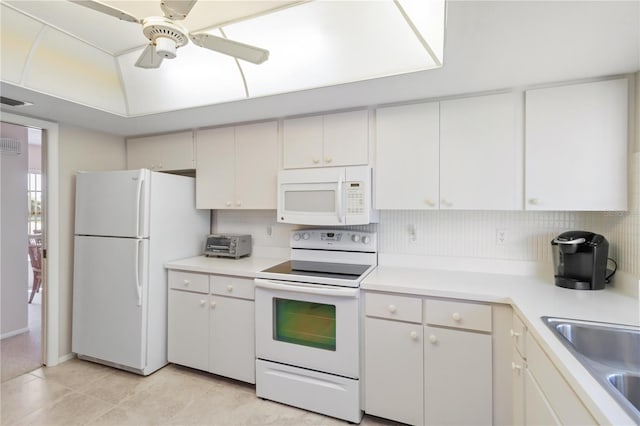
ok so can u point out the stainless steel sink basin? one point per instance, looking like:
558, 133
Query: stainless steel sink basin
610, 352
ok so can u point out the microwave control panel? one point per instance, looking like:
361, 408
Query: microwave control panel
355, 198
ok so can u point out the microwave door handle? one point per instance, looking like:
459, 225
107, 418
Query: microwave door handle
340, 185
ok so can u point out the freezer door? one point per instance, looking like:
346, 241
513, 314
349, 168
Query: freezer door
114, 203
110, 287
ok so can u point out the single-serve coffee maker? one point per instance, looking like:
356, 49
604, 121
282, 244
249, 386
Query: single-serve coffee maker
580, 260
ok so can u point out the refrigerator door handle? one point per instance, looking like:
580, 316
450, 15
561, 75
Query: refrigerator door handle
138, 281
139, 202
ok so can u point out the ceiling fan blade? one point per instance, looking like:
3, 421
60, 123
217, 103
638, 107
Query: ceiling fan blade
106, 9
177, 9
149, 58
236, 49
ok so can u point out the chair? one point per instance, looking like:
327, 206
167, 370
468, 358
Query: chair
35, 257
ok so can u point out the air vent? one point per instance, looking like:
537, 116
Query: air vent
10, 146
13, 102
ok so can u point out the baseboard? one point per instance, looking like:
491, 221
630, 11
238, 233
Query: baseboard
14, 333
65, 358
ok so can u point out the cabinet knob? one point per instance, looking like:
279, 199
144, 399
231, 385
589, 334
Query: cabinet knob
456, 317
413, 335
516, 367
534, 201
446, 203
212, 304
430, 203
514, 334
160, 165
202, 302
433, 339
238, 203
186, 283
315, 160
328, 160
229, 288
228, 203
392, 309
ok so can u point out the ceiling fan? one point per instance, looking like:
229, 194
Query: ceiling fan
166, 35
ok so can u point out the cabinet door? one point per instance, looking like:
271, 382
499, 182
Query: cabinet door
481, 153
163, 152
256, 166
232, 338
302, 142
188, 329
576, 147
346, 139
393, 370
215, 168
518, 370
458, 377
407, 157
537, 410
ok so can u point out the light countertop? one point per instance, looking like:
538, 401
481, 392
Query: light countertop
531, 298
243, 267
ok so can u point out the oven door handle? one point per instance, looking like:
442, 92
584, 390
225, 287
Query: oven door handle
321, 290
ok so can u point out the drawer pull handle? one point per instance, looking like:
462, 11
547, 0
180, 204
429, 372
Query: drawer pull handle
213, 305
516, 367
186, 283
392, 309
456, 317
514, 334
229, 288
202, 302
433, 339
414, 335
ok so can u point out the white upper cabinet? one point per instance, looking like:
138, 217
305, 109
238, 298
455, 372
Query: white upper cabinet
326, 140
237, 167
481, 153
576, 147
407, 157
161, 153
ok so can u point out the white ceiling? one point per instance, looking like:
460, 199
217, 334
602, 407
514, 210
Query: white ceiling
489, 45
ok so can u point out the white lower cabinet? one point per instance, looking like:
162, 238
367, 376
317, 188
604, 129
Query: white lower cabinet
394, 370
432, 369
457, 377
211, 324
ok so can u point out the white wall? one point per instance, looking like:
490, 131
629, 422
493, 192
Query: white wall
13, 233
79, 149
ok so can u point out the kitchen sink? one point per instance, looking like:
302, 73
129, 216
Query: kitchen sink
610, 352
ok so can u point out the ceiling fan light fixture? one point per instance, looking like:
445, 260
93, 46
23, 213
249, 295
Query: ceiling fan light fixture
165, 47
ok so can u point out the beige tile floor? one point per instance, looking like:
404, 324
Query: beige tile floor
83, 393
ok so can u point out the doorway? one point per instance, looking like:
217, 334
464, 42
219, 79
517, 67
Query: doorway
22, 228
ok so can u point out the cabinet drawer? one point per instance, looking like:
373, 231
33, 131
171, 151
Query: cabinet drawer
400, 308
518, 331
470, 316
242, 288
190, 281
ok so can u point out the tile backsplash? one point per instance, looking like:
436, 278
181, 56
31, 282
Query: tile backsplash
514, 235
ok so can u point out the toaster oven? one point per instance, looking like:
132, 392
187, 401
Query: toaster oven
228, 245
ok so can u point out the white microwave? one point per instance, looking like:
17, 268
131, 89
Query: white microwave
331, 196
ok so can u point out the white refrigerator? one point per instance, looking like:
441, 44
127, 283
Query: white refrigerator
128, 224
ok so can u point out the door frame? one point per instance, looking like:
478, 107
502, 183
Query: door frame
51, 266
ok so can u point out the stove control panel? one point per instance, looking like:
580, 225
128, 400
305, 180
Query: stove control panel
331, 239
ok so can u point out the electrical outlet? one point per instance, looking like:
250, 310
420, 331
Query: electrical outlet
501, 236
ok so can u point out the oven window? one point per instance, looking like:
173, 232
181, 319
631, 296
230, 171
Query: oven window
305, 323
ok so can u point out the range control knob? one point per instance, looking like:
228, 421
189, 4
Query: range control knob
366, 240
305, 236
355, 238
296, 237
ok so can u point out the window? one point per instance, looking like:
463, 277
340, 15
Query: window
34, 196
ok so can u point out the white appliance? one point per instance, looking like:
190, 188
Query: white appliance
326, 196
128, 224
308, 322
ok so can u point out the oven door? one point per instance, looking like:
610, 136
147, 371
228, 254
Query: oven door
308, 326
